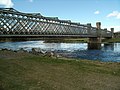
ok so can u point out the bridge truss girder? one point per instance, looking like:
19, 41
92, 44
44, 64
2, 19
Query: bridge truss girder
13, 22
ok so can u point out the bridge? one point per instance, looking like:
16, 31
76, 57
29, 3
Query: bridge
17, 24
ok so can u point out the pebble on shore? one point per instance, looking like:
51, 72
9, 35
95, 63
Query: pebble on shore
35, 51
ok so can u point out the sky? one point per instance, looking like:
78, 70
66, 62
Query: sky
84, 11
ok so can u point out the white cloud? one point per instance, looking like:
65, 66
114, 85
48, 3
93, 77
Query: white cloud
118, 16
97, 12
6, 3
114, 14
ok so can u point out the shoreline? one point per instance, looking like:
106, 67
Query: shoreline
59, 40
20, 70
57, 54
39, 53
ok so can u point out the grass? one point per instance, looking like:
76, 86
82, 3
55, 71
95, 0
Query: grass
80, 40
64, 40
67, 40
48, 40
24, 71
112, 40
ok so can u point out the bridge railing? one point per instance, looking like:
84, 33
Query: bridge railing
106, 33
13, 22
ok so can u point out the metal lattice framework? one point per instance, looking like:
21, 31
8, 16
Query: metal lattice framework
15, 23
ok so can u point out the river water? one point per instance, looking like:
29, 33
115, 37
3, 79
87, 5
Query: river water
108, 52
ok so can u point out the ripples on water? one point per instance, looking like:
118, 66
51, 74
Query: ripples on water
109, 52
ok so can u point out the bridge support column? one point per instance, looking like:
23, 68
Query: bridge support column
95, 42
112, 32
89, 28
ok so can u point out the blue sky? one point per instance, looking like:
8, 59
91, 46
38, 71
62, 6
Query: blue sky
83, 11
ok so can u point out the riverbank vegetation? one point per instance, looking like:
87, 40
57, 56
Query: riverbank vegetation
81, 40
26, 71
112, 40
60, 40
47, 40
67, 40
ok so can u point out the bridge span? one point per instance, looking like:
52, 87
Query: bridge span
16, 24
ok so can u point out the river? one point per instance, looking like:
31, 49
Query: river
108, 52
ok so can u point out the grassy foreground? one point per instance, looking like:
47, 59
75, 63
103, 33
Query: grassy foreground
24, 71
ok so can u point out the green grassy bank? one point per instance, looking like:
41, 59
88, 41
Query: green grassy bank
112, 40
47, 40
67, 40
59, 40
25, 71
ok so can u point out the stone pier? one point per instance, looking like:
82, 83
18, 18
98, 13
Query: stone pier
95, 42
112, 32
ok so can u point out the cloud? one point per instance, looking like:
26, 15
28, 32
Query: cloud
6, 3
118, 16
114, 14
97, 12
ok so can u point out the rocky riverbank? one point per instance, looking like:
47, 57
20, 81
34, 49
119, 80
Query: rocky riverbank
33, 51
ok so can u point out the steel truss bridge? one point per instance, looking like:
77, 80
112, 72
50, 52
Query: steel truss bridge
18, 24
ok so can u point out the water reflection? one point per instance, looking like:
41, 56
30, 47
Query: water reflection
108, 46
109, 52
117, 47
52, 46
